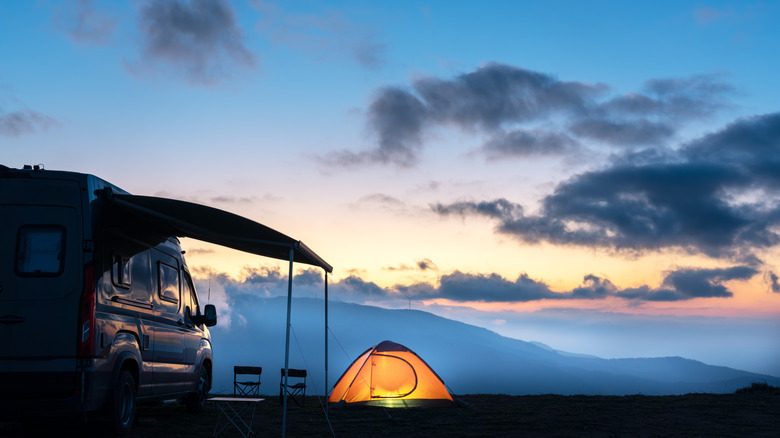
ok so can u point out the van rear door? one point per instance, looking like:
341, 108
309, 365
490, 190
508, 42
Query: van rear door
40, 273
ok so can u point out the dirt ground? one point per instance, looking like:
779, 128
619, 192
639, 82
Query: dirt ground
711, 415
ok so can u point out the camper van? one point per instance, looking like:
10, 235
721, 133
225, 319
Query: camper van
97, 309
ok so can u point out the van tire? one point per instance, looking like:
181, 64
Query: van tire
122, 406
197, 401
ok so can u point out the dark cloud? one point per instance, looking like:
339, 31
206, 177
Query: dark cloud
356, 286
460, 286
687, 199
426, 264
397, 117
263, 275
749, 145
679, 285
198, 38
652, 116
686, 284
635, 132
85, 22
309, 277
497, 94
594, 287
498, 209
21, 122
529, 143
694, 97
696, 283
519, 109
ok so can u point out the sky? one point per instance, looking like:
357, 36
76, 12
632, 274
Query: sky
599, 176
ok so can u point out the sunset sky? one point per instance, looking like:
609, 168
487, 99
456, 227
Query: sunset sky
601, 176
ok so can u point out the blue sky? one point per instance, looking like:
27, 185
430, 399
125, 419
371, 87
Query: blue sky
501, 163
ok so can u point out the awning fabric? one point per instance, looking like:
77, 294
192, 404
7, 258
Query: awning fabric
187, 219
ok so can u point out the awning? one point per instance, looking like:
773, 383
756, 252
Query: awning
187, 219
164, 217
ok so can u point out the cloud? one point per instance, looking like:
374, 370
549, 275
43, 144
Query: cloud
497, 94
697, 198
397, 117
526, 113
678, 285
696, 283
460, 286
523, 143
685, 284
638, 132
420, 265
198, 38
24, 121
381, 199
774, 284
85, 22
594, 287
329, 34
426, 264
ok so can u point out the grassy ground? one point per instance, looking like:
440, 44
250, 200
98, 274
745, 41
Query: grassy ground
750, 413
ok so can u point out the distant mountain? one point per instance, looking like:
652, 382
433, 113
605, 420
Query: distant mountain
469, 359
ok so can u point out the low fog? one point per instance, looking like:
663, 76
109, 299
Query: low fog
469, 359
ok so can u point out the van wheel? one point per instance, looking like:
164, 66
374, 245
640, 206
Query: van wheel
122, 408
196, 402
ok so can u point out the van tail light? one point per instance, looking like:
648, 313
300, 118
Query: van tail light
86, 329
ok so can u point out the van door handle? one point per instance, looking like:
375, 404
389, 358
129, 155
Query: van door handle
11, 319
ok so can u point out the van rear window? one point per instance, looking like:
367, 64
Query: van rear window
40, 250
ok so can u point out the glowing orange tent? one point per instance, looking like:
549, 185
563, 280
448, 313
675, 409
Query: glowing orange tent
390, 375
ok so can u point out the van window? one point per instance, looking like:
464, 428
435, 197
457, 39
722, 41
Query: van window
121, 271
168, 283
40, 250
188, 297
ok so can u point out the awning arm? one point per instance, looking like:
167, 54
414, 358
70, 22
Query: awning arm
311, 255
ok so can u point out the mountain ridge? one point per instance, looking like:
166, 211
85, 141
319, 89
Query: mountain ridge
470, 359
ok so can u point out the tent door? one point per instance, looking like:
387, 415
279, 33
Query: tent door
391, 377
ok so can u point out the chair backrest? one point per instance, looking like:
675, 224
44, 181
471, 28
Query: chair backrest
246, 387
295, 373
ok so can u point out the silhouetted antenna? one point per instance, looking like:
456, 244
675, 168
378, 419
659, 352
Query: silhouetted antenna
209, 299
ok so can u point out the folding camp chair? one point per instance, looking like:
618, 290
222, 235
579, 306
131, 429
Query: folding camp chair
246, 388
297, 391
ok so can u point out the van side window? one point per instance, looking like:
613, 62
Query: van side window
120, 273
168, 285
188, 297
40, 250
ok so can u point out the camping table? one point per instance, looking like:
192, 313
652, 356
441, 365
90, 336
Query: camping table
238, 411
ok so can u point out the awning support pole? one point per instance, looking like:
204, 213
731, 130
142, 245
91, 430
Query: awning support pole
287, 345
326, 344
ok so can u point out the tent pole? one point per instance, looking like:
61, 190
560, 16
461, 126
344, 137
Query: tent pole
326, 344
283, 393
